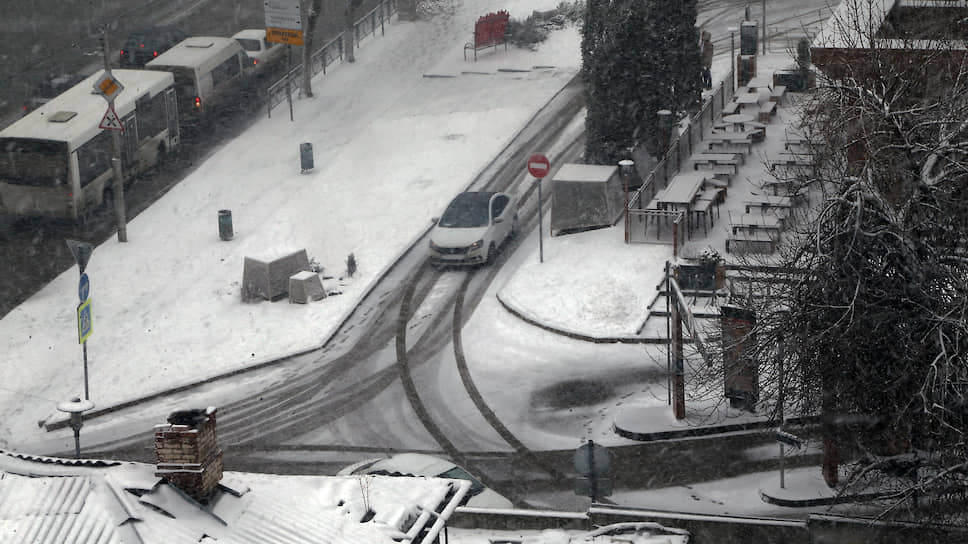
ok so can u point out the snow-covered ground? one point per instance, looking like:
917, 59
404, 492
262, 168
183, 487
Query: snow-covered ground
391, 148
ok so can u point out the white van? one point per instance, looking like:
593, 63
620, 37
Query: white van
261, 53
208, 74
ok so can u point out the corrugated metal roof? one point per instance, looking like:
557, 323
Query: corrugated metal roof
55, 509
44, 501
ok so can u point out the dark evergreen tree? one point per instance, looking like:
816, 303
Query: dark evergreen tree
683, 59
639, 57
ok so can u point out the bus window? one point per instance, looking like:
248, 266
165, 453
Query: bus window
152, 116
94, 157
226, 71
34, 163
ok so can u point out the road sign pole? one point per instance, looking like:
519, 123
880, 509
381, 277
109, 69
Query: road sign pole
539, 166
540, 226
593, 476
119, 209
288, 82
84, 323
87, 394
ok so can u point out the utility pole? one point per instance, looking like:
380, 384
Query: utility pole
119, 206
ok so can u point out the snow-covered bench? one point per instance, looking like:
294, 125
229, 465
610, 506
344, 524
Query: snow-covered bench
767, 109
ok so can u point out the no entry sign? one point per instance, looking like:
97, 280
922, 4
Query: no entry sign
538, 165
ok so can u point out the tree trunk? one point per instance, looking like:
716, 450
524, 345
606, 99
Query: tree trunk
349, 34
310, 30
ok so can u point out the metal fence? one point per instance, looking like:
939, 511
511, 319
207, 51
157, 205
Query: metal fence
690, 138
330, 52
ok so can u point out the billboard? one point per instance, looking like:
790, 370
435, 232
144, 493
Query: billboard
284, 21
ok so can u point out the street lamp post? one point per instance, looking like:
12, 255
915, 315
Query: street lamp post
732, 56
76, 408
764, 27
626, 166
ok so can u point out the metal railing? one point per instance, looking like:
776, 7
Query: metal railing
329, 53
678, 153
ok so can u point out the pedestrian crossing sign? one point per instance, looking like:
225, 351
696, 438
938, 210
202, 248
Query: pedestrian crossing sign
110, 121
84, 321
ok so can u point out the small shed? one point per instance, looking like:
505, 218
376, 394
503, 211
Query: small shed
585, 196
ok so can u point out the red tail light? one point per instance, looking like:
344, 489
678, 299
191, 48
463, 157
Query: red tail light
155, 54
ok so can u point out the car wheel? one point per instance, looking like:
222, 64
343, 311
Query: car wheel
491, 254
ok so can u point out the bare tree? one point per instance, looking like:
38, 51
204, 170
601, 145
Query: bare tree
864, 319
349, 33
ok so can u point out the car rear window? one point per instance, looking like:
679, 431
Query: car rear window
249, 44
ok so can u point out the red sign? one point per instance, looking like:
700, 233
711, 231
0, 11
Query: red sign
490, 29
538, 165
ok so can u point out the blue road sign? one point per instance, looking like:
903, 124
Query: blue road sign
84, 288
84, 322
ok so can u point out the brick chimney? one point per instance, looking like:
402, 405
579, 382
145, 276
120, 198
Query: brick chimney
188, 454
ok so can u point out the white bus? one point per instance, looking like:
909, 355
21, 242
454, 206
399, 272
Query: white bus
56, 161
208, 74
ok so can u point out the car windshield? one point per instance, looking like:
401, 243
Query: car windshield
468, 210
458, 473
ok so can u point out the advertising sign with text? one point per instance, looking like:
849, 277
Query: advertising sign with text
284, 21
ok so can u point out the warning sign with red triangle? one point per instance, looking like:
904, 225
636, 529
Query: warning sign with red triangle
110, 121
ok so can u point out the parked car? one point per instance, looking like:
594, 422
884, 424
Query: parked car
472, 228
146, 44
260, 52
418, 464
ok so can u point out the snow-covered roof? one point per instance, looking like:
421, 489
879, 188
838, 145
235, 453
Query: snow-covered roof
585, 172
58, 500
854, 24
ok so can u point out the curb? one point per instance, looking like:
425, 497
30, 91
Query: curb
272, 361
692, 432
577, 336
821, 501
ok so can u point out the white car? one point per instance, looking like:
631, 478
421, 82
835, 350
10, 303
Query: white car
418, 464
259, 52
472, 228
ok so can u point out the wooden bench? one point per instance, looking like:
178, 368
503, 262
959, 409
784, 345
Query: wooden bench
794, 140
489, 31
719, 184
714, 159
756, 241
776, 95
730, 108
722, 173
729, 139
700, 210
766, 202
767, 110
